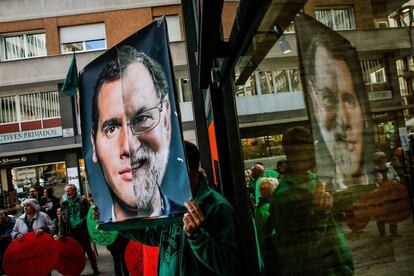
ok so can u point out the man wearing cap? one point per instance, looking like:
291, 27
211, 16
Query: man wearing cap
72, 222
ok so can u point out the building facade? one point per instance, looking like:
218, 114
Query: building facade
40, 139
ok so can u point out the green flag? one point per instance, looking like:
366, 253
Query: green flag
70, 85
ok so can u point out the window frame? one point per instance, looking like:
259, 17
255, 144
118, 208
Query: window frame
76, 29
4, 36
39, 106
331, 10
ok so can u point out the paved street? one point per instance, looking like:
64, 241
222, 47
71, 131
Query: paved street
375, 255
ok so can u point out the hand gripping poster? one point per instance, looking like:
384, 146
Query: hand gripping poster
131, 134
338, 107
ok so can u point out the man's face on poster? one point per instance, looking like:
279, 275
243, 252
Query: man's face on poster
132, 137
337, 111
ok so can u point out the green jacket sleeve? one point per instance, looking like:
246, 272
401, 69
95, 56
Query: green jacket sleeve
149, 236
217, 249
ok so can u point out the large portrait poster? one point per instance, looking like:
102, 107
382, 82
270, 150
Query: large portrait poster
338, 106
131, 134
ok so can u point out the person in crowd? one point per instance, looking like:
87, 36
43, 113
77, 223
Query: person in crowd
384, 171
117, 249
131, 134
307, 239
6, 227
32, 220
257, 171
49, 203
33, 193
280, 168
72, 222
267, 185
398, 160
205, 244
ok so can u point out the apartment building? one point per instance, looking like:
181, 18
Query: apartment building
40, 139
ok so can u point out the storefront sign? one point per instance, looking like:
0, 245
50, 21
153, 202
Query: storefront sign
30, 135
379, 95
73, 177
13, 160
23, 174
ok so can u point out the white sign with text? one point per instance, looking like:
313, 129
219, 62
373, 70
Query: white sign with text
30, 135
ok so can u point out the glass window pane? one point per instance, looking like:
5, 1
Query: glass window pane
29, 106
282, 82
337, 19
265, 80
295, 80
36, 45
8, 110
95, 44
251, 86
50, 105
186, 88
14, 47
70, 47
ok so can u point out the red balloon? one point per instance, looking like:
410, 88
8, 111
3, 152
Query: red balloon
71, 259
141, 260
33, 255
134, 258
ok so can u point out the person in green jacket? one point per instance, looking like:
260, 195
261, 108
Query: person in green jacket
267, 185
307, 238
205, 243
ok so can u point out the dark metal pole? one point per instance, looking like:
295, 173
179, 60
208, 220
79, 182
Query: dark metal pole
232, 173
201, 128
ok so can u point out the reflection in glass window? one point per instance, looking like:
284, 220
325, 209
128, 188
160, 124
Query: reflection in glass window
87, 45
282, 81
186, 88
23, 46
266, 82
373, 71
95, 44
269, 82
337, 19
250, 86
296, 84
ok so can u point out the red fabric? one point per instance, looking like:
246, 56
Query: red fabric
141, 260
33, 255
150, 260
71, 259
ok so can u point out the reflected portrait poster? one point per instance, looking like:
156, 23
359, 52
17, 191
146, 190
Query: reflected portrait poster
131, 135
337, 105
